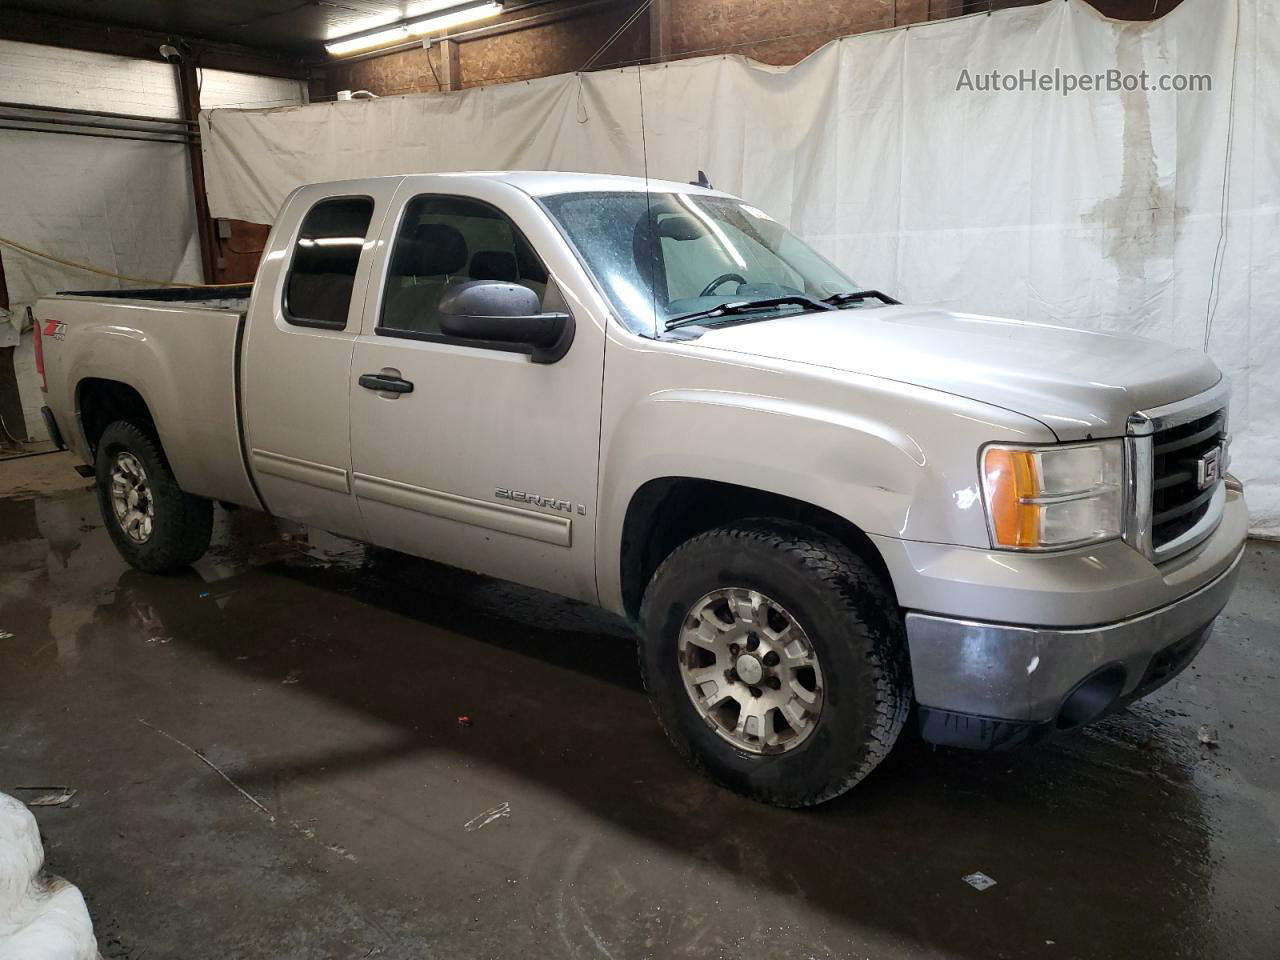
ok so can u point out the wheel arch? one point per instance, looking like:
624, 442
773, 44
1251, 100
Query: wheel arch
101, 402
665, 512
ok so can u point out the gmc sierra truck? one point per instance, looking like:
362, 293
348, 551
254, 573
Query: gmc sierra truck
819, 507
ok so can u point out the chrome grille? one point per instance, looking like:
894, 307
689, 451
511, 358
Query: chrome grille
1178, 501
1177, 465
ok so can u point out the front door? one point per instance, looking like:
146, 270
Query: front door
484, 460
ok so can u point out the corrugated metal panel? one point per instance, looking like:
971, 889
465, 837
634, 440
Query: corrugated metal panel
54, 77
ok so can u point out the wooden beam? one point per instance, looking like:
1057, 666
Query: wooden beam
659, 31
450, 70
189, 98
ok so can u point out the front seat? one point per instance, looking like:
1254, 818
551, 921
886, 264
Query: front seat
494, 265
424, 265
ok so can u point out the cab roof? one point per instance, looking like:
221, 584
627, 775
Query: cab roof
542, 183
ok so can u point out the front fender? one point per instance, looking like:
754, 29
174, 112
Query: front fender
894, 460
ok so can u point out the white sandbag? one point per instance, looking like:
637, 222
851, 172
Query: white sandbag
42, 917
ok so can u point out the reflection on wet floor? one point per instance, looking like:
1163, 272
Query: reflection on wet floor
327, 680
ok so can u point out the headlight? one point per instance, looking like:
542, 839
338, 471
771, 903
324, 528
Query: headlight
1044, 498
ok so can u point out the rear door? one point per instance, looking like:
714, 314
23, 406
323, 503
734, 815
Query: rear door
305, 315
490, 462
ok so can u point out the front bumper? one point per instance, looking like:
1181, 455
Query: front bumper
990, 685
1006, 648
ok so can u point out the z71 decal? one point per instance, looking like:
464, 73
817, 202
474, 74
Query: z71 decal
55, 329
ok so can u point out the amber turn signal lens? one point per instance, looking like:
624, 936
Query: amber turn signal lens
1012, 479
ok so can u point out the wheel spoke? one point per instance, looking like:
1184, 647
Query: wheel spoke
750, 722
722, 693
772, 738
712, 688
706, 675
807, 698
750, 608
797, 715
711, 630
796, 653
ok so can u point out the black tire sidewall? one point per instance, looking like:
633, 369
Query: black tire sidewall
836, 753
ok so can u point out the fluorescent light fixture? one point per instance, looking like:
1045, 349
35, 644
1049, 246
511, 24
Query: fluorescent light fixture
449, 15
367, 41
467, 13
411, 11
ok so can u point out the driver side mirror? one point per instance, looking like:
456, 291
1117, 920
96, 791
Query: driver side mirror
502, 312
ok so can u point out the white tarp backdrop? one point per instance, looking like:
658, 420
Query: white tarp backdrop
1150, 212
119, 205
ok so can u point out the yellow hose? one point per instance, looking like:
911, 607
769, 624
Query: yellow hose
107, 273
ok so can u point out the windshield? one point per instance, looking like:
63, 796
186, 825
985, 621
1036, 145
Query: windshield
662, 256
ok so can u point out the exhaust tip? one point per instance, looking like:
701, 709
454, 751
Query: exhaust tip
1092, 698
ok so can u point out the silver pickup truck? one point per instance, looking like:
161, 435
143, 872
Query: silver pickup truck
820, 507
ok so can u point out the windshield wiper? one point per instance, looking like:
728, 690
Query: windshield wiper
857, 296
747, 306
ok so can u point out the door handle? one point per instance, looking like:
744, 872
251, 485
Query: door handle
385, 383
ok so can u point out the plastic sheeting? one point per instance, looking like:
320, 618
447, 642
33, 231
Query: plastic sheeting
120, 205
1150, 212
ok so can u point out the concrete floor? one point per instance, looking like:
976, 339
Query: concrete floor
341, 809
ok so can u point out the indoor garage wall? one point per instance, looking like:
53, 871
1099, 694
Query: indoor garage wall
1151, 213
124, 206
121, 205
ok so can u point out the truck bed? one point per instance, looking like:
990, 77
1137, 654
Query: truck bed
178, 348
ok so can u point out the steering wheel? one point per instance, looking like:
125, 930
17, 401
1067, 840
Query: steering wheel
710, 288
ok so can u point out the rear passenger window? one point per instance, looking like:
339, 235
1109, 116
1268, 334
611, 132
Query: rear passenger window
445, 241
323, 272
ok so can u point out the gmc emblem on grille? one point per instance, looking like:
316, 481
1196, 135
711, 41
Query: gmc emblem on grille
1209, 469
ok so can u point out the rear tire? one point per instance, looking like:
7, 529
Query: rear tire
835, 664
156, 527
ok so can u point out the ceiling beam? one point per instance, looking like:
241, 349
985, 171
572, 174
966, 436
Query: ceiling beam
140, 44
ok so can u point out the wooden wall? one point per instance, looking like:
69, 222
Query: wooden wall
771, 31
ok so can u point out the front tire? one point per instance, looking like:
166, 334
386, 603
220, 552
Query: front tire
156, 527
776, 661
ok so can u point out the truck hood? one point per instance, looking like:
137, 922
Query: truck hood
1076, 382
